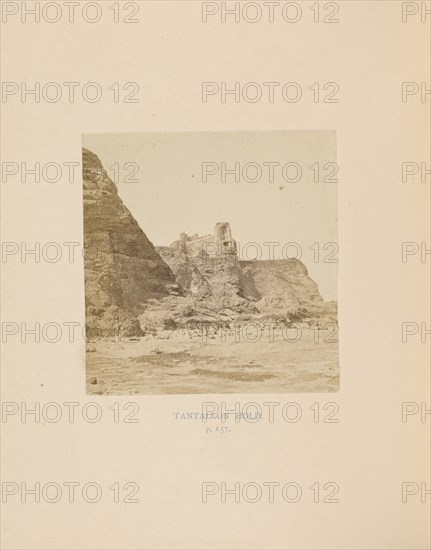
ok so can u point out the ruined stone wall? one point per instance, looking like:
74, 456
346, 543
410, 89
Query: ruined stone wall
217, 244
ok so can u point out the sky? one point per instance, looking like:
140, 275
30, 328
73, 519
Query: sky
172, 182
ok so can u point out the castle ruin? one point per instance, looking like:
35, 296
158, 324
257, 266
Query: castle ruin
217, 244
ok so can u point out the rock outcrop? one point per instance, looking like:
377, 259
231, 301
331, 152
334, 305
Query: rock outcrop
131, 287
279, 283
209, 268
122, 268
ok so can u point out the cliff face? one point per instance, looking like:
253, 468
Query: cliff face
279, 284
209, 269
195, 278
122, 268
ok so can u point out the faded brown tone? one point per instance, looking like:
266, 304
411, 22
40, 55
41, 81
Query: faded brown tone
122, 268
198, 301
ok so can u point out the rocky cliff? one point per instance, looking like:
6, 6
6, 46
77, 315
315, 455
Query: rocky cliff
209, 269
122, 268
132, 287
279, 283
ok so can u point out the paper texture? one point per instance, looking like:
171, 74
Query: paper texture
335, 455
205, 312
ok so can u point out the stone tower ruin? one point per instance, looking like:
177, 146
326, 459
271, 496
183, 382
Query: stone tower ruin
223, 238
